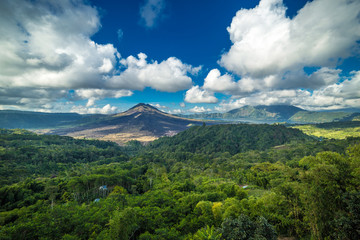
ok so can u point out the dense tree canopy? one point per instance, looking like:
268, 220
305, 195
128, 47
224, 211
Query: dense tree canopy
191, 186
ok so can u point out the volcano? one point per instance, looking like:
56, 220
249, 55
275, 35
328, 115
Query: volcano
142, 122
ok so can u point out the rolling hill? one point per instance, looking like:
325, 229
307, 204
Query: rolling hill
232, 138
262, 112
323, 117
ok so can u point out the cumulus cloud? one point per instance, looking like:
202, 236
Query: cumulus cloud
270, 50
46, 50
176, 111
30, 98
151, 12
345, 94
197, 109
198, 95
95, 94
100, 93
46, 54
158, 106
107, 109
48, 45
217, 83
170, 75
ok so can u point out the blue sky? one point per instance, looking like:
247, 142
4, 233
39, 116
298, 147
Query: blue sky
186, 56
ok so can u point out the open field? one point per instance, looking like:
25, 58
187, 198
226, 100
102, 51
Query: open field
340, 130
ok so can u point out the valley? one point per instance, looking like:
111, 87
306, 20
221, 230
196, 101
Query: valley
147, 174
204, 182
145, 123
179, 120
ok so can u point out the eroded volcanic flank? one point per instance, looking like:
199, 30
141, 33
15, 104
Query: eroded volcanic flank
142, 122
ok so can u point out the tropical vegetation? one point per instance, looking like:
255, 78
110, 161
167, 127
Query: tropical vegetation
209, 182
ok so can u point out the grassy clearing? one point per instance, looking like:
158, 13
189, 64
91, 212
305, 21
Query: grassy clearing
335, 132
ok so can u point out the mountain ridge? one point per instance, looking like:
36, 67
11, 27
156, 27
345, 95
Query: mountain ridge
279, 113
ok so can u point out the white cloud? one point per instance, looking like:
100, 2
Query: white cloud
48, 45
107, 109
197, 95
94, 94
158, 106
91, 102
333, 96
270, 50
151, 11
29, 98
107, 66
323, 77
46, 52
182, 104
217, 83
349, 88
176, 111
197, 109
101, 93
170, 75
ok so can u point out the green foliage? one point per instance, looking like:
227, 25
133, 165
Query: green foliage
335, 130
61, 188
243, 228
320, 117
123, 225
25, 154
228, 138
207, 233
327, 179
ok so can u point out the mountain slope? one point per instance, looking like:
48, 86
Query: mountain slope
257, 113
141, 122
232, 138
262, 112
322, 117
281, 113
39, 120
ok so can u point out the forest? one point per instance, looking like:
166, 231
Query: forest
226, 182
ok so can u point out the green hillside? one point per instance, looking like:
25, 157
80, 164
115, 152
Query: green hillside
25, 154
322, 117
232, 138
335, 130
262, 112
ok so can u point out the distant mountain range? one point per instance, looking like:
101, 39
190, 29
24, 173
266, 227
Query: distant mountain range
145, 123
39, 120
280, 113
